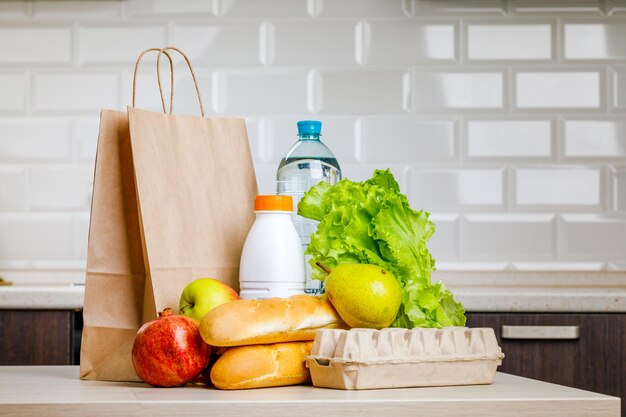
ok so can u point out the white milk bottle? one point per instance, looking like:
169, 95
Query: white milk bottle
272, 261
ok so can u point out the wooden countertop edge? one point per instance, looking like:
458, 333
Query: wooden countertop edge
584, 407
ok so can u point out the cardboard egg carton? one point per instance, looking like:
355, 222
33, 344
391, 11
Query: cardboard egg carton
395, 358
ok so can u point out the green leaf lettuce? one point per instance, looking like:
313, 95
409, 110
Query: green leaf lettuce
371, 222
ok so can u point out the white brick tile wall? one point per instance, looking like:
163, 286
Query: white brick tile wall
405, 43
508, 237
14, 87
167, 8
559, 187
590, 7
338, 133
619, 188
256, 139
361, 91
148, 98
307, 43
595, 138
10, 10
446, 240
360, 8
502, 117
619, 88
85, 139
276, 91
560, 266
219, 44
60, 188
595, 40
531, 41
577, 89
616, 7
81, 235
470, 266
456, 189
36, 236
75, 92
588, 237
34, 140
113, 44
266, 178
185, 98
459, 7
509, 138
363, 172
12, 188
263, 8
443, 90
408, 140
68, 9
35, 44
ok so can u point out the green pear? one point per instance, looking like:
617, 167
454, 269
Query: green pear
364, 295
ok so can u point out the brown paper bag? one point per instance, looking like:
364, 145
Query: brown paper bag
173, 198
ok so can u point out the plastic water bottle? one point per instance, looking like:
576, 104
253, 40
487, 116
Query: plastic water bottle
307, 163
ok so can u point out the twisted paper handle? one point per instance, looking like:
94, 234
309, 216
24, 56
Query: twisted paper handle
169, 58
193, 74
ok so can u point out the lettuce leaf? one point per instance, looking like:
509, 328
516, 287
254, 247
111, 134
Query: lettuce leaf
371, 222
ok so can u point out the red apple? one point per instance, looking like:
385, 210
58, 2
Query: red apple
169, 351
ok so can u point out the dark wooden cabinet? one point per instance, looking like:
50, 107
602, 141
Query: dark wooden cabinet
594, 361
39, 337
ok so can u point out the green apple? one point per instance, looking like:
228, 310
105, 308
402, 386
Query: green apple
203, 295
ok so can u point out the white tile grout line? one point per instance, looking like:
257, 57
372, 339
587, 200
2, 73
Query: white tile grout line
559, 38
559, 139
29, 105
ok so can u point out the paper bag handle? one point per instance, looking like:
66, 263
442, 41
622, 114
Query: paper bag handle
169, 58
193, 74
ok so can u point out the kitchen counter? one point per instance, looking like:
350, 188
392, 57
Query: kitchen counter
57, 391
488, 291
42, 297
537, 291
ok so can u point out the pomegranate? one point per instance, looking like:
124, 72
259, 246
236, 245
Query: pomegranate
169, 351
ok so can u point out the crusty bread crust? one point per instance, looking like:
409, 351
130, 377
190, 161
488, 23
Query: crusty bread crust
273, 320
261, 366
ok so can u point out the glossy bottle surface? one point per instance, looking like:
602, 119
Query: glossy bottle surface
272, 260
307, 162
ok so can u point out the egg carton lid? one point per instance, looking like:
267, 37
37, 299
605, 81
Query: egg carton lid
398, 358
395, 345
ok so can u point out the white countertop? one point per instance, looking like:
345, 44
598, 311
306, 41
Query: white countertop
56, 391
533, 300
478, 291
44, 297
538, 291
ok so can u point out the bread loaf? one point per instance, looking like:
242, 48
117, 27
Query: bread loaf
274, 320
262, 366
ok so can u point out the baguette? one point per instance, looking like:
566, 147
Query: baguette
273, 320
262, 366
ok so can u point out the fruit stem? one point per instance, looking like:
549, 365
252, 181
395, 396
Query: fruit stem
166, 312
323, 267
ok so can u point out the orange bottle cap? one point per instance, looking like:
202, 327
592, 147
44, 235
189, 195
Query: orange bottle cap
273, 203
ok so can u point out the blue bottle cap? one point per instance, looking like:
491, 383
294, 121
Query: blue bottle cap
309, 127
